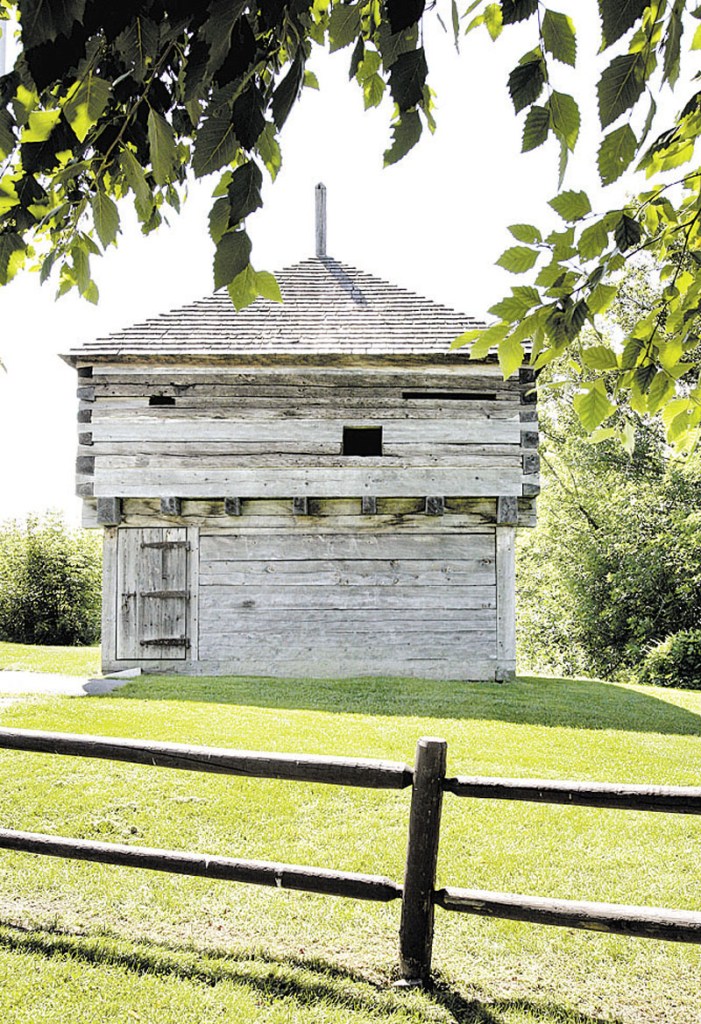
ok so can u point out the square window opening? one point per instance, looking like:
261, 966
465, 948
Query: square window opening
363, 441
161, 400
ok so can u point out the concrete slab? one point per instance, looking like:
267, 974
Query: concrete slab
70, 686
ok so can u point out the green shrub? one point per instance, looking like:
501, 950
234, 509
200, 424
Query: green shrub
675, 661
50, 583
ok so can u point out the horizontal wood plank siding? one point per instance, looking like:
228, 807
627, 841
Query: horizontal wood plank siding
277, 431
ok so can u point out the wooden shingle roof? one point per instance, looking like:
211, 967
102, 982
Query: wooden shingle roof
329, 309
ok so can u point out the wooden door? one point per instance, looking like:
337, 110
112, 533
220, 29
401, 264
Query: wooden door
153, 594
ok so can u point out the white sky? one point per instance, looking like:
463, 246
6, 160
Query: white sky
436, 222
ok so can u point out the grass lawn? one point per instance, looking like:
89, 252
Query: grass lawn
65, 661
92, 944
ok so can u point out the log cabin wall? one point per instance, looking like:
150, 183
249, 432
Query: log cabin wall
297, 555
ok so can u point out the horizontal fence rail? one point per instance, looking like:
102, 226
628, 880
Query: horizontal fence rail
671, 799
254, 872
418, 893
335, 771
643, 922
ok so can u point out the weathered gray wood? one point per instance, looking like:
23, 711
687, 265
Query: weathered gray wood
327, 482
368, 505
644, 922
109, 597
530, 490
171, 506
435, 506
320, 220
85, 438
479, 575
85, 371
109, 511
152, 561
85, 415
507, 511
416, 926
85, 394
667, 799
84, 488
300, 506
261, 596
232, 506
85, 465
506, 601
281, 876
530, 438
312, 545
338, 771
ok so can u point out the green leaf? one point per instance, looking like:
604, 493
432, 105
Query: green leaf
517, 10
526, 83
136, 179
593, 406
559, 37
643, 377
631, 353
482, 340
617, 16
215, 145
620, 87
7, 136
518, 259
536, 128
41, 124
162, 148
12, 247
599, 357
601, 297
267, 286
310, 80
571, 206
269, 150
564, 119
219, 218
672, 43
627, 233
373, 91
231, 257
510, 353
86, 103
493, 20
106, 218
287, 92
661, 388
616, 153
516, 305
344, 25
44, 20
405, 134
243, 290
356, 57
244, 191
137, 45
527, 233
407, 78
592, 241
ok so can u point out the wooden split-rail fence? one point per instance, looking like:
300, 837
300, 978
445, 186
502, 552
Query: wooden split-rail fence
418, 894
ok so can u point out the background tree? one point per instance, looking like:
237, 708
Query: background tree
50, 582
109, 101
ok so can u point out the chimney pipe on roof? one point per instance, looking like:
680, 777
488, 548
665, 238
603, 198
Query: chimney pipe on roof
320, 196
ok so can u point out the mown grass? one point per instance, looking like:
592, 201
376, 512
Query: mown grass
95, 943
64, 661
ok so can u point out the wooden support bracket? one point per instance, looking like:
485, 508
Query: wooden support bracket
435, 506
507, 511
109, 511
171, 506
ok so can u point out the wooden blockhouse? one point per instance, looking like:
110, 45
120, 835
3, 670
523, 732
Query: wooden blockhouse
315, 488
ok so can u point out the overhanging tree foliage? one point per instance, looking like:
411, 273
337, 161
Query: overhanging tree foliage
115, 100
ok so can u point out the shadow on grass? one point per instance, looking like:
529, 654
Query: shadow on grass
307, 982
568, 703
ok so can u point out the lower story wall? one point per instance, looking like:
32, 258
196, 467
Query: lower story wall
337, 593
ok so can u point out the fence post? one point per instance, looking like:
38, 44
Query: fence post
416, 927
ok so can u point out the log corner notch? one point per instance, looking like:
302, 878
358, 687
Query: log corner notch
109, 511
171, 506
507, 511
416, 926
